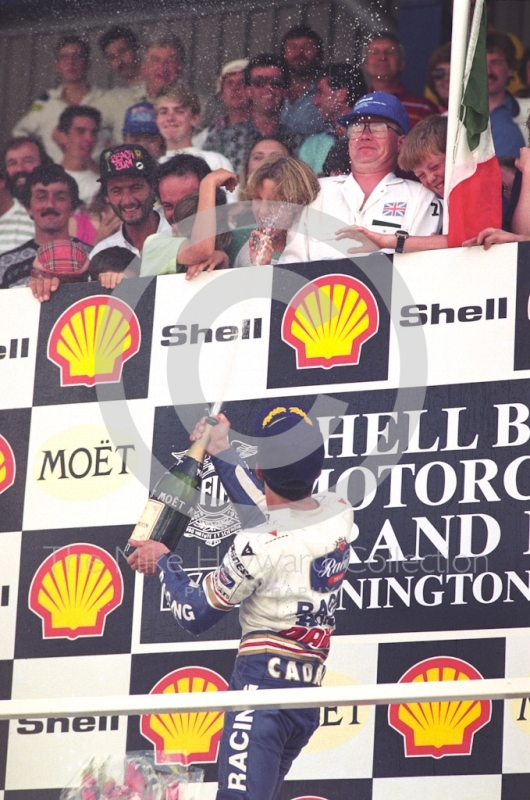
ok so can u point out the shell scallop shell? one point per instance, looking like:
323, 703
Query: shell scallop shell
329, 319
74, 590
92, 339
186, 738
440, 728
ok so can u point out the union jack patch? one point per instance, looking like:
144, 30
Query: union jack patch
394, 209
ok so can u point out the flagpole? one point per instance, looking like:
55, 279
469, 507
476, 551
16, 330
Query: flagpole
459, 40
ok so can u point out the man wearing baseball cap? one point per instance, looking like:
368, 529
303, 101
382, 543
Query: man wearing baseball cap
372, 196
284, 570
140, 127
229, 106
127, 174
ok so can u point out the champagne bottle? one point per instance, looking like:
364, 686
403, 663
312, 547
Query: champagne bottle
173, 500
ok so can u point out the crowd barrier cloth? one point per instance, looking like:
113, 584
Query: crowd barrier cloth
417, 370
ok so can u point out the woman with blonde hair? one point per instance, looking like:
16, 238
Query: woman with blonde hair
278, 188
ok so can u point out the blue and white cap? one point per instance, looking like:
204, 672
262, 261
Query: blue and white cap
378, 104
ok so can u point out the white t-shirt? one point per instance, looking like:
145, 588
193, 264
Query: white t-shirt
213, 159
118, 239
87, 182
16, 227
395, 204
113, 105
42, 117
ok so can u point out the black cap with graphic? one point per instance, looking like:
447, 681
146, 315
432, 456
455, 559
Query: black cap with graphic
126, 159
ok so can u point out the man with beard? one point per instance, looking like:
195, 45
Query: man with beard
19, 158
51, 197
302, 49
128, 178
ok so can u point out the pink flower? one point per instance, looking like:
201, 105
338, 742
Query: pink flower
134, 778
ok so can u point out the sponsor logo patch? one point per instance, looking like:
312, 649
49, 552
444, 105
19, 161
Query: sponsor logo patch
92, 340
74, 590
328, 321
440, 729
186, 738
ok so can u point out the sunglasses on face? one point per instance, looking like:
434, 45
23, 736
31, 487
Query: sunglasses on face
261, 81
439, 73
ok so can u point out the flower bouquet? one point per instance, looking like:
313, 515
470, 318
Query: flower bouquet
135, 777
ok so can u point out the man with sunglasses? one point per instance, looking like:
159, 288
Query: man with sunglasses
372, 196
266, 78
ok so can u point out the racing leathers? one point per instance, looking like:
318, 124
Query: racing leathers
285, 573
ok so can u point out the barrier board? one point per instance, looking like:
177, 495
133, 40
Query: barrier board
417, 371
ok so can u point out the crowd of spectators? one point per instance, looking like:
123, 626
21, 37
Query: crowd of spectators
333, 159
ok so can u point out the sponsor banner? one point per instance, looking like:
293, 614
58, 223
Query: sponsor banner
6, 679
57, 747
522, 318
75, 595
516, 739
19, 325
210, 337
4, 736
93, 345
460, 738
330, 329
9, 572
32, 794
186, 738
360, 789
176, 738
515, 786
343, 745
88, 464
14, 436
441, 787
463, 306
442, 526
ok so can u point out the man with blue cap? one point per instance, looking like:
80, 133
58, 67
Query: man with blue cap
372, 196
285, 569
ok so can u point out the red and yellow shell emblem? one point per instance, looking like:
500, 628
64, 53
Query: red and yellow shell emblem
440, 729
7, 465
328, 321
92, 340
186, 738
74, 590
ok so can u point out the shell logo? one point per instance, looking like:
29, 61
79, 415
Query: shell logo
8, 466
328, 321
74, 590
92, 339
186, 738
440, 729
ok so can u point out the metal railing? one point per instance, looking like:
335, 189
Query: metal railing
181, 703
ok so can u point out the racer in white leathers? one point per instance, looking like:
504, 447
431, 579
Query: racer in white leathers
285, 569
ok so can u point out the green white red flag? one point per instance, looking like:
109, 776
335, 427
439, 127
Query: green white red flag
475, 190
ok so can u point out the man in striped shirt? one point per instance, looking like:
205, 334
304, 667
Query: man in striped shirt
16, 226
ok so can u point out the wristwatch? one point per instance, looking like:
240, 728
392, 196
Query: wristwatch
401, 237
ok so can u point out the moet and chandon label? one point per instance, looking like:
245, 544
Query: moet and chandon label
145, 525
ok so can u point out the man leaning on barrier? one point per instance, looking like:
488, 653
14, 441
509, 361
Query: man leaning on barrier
285, 569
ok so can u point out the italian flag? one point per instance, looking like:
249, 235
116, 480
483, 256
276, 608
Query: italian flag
475, 190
